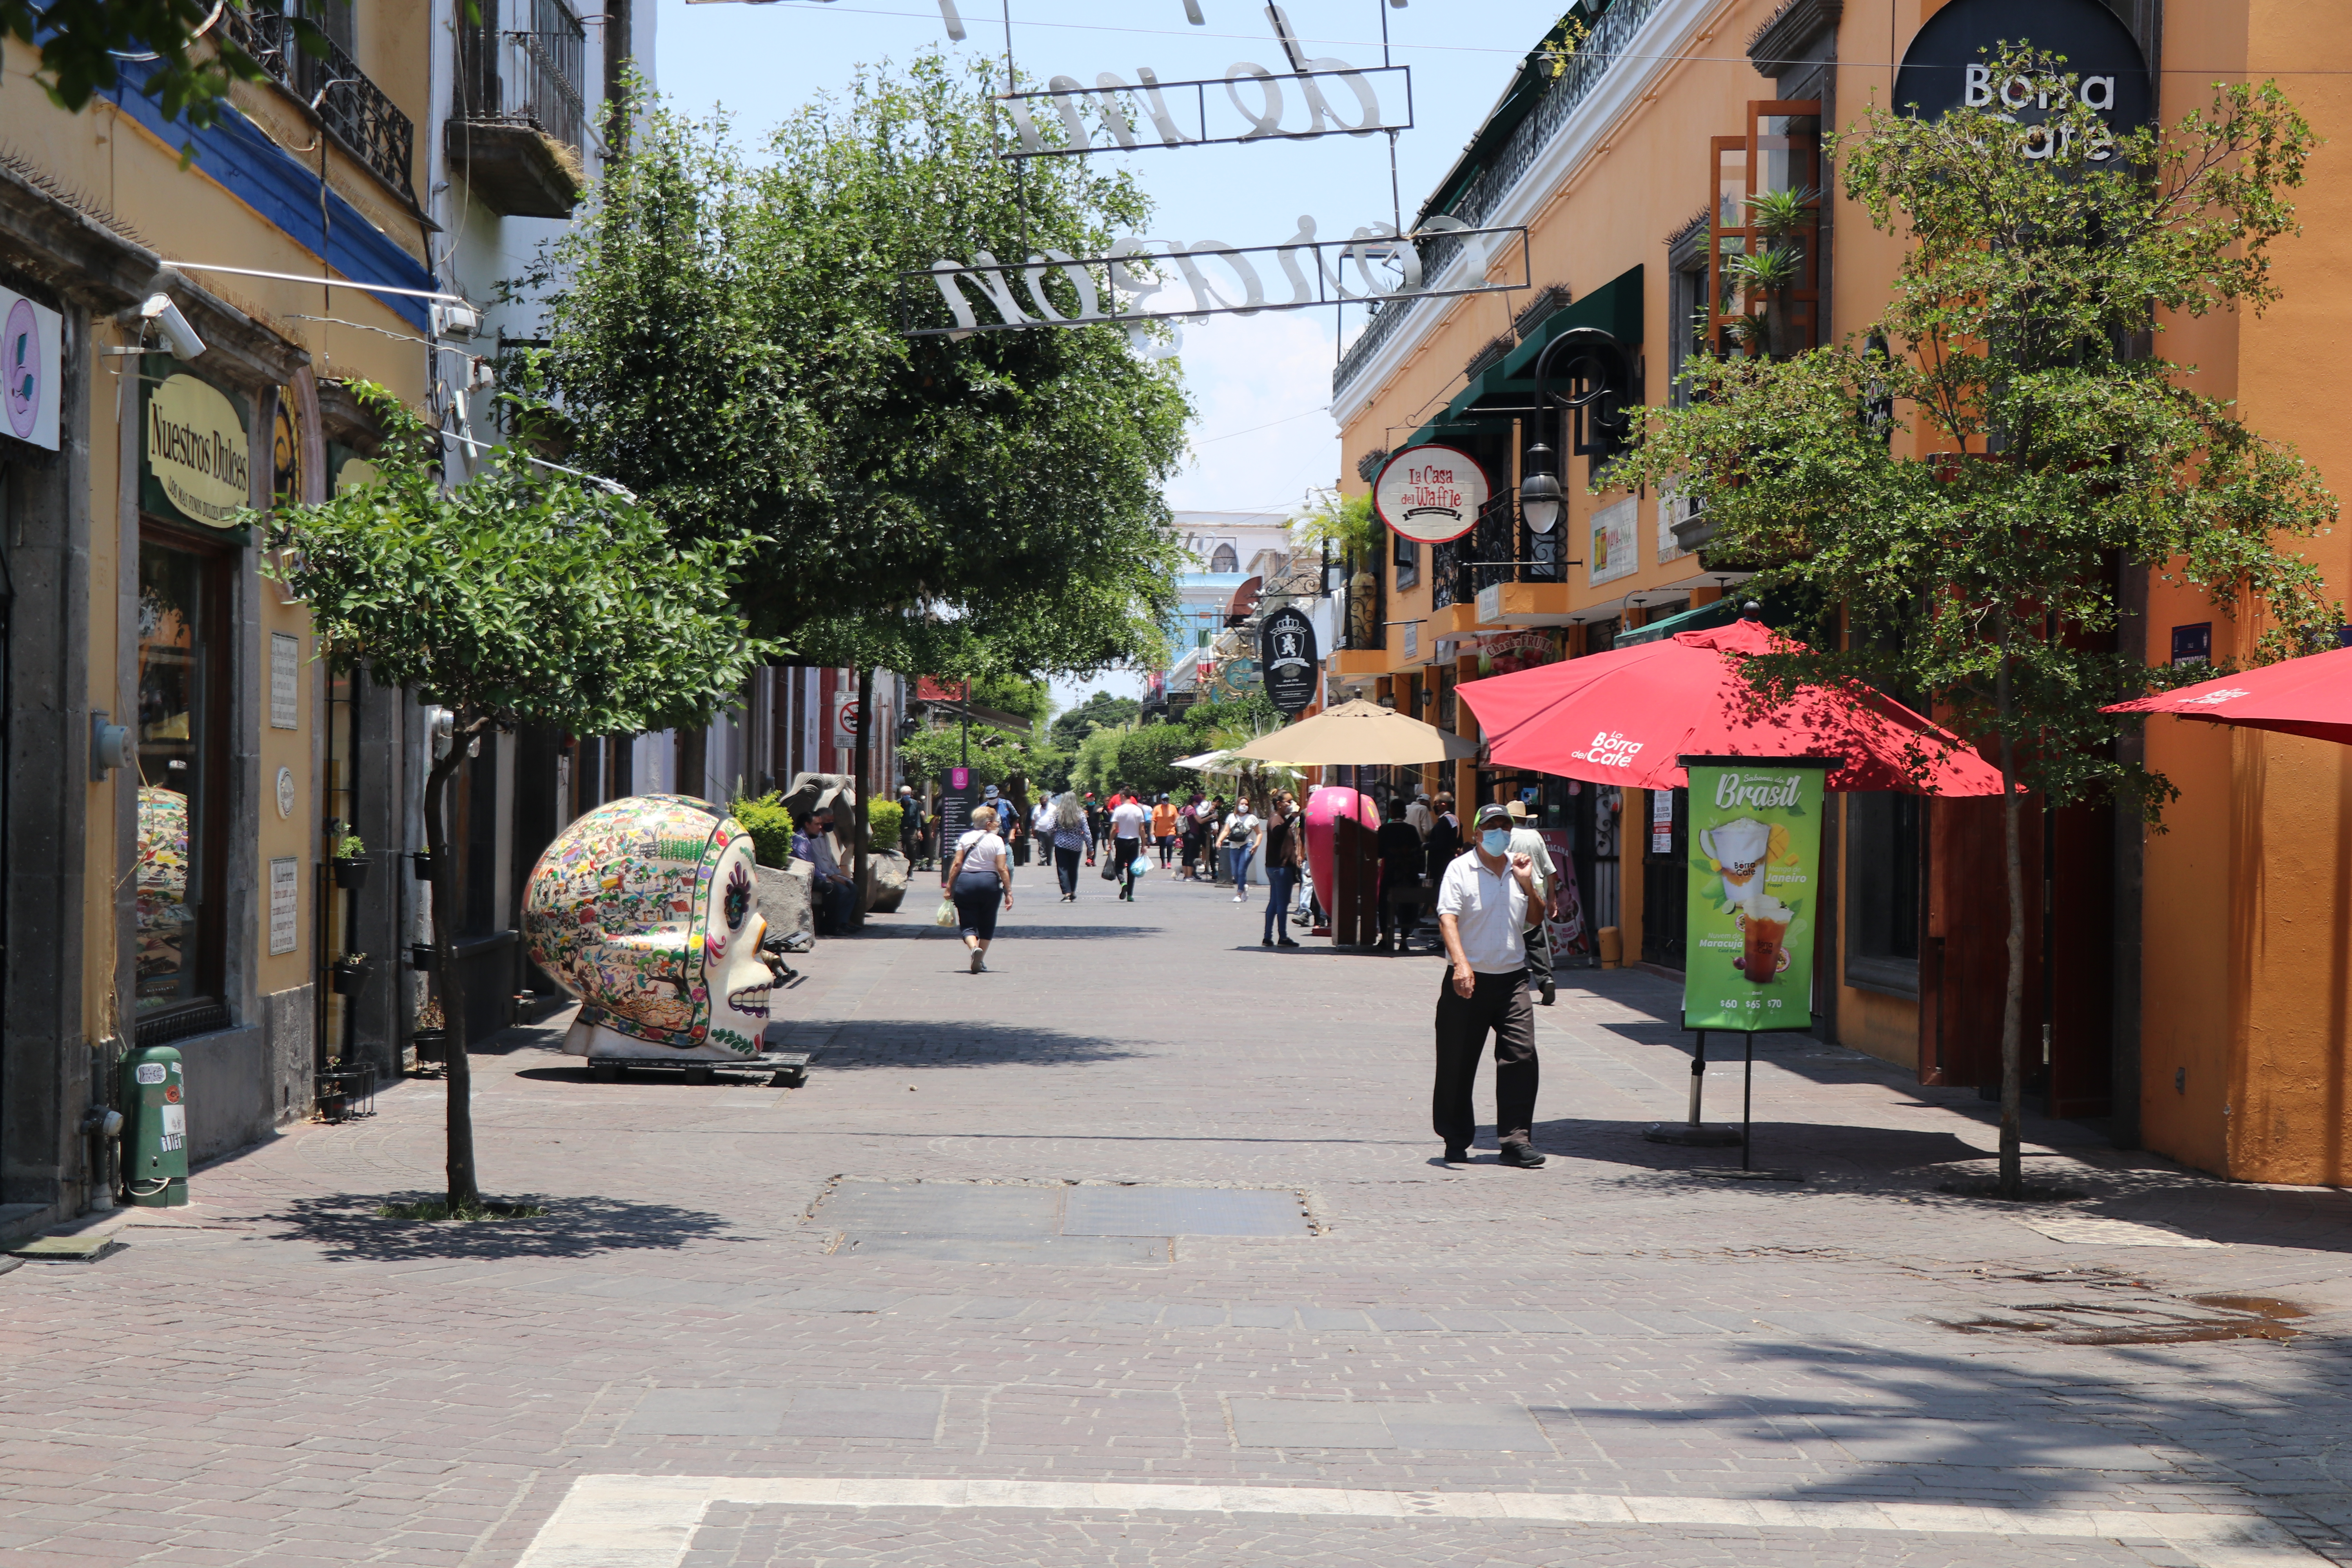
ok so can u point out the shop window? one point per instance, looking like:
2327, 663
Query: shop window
1882, 892
1407, 558
183, 741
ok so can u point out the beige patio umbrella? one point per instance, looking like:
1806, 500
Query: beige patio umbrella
1357, 734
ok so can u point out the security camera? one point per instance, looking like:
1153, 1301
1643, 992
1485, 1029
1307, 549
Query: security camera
159, 308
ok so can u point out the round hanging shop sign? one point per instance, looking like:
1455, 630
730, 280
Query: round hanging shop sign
1430, 494
1949, 66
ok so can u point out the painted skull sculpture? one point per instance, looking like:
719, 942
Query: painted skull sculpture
644, 908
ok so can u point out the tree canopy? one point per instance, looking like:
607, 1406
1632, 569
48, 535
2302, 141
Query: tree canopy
520, 597
729, 345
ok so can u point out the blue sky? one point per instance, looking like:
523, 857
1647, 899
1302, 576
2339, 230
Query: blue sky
1261, 383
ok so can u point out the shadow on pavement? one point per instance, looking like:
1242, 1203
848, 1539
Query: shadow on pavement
965, 1043
348, 1227
1977, 1424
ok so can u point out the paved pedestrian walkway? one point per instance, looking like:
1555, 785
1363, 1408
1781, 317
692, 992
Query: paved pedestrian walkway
1136, 1251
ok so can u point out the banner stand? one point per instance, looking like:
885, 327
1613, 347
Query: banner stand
1695, 1133
1756, 843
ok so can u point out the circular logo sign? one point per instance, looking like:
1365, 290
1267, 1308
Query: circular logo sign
20, 353
1948, 65
1430, 494
285, 791
197, 450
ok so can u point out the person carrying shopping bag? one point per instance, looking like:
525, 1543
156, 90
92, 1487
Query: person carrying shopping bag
980, 872
1286, 851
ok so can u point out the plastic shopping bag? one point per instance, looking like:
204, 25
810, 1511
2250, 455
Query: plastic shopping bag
946, 915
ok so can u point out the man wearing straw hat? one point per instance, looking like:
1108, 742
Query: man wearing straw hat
1486, 903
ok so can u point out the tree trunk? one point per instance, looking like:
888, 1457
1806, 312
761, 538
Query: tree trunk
865, 757
457, 1075
2013, 1006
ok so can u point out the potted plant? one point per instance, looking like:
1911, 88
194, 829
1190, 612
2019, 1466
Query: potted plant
349, 974
423, 860
430, 1036
1781, 219
422, 959
351, 863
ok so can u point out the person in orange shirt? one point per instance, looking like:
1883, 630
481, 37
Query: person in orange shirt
1164, 829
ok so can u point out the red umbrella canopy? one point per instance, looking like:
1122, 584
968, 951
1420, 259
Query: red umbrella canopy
1623, 718
2307, 696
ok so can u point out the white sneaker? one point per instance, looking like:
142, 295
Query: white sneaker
976, 964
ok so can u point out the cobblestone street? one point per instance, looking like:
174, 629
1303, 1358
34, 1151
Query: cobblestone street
940, 1305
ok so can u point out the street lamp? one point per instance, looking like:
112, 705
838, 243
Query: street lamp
1539, 494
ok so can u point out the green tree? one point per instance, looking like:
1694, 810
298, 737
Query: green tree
1099, 709
519, 597
729, 345
1978, 560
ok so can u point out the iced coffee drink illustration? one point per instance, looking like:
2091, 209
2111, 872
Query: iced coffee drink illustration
1764, 923
1740, 847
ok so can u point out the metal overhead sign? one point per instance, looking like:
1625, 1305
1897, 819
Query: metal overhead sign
1287, 656
1138, 268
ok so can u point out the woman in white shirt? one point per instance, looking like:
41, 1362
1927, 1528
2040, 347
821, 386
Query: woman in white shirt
980, 871
1243, 831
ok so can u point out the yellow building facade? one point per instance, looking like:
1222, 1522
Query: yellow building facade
169, 771
2194, 982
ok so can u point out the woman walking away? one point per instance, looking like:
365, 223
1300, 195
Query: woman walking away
1243, 830
1068, 826
980, 871
1286, 847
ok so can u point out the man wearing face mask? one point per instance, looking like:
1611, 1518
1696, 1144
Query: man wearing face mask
1486, 903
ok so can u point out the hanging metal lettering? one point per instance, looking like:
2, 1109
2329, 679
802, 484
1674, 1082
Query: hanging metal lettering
1115, 102
1221, 278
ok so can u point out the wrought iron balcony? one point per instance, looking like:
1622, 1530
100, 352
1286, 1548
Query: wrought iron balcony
522, 117
356, 113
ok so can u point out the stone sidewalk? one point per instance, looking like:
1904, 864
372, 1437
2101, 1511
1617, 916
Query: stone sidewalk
1136, 1250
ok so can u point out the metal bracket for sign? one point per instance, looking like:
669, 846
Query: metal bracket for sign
1092, 282
1114, 106
1697, 1134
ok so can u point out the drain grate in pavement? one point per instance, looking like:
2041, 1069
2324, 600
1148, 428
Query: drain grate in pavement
1181, 1211
968, 1222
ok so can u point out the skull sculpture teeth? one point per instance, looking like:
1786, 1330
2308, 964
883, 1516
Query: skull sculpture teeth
643, 909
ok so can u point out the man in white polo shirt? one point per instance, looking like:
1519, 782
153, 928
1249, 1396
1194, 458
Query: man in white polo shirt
1486, 903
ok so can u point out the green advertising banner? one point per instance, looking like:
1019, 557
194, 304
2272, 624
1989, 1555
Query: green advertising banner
1755, 894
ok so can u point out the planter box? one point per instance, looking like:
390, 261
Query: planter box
432, 1045
422, 959
350, 874
350, 980
423, 862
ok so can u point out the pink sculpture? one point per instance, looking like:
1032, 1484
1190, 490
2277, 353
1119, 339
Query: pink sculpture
1325, 807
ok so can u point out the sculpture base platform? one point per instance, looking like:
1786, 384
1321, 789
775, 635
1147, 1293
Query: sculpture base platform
787, 1070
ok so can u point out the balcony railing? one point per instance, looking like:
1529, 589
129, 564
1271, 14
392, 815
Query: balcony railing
528, 76
1594, 58
354, 111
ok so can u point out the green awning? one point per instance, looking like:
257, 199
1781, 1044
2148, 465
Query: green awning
1616, 308
1721, 613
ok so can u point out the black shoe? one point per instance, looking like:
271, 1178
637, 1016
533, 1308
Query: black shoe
1519, 1155
1550, 994
1457, 1156
1285, 942
1383, 947
1266, 941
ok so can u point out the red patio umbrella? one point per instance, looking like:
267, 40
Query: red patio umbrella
1623, 718
2309, 696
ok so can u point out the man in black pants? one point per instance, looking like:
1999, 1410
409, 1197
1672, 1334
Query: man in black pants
1128, 825
1402, 858
1484, 905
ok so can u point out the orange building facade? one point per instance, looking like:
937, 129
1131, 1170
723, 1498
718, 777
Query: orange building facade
2190, 983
